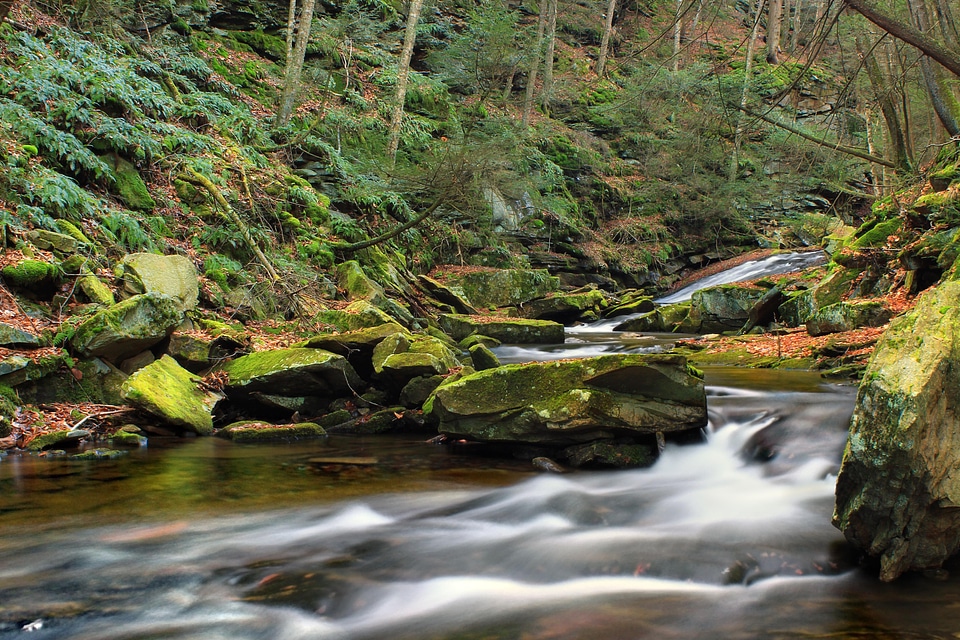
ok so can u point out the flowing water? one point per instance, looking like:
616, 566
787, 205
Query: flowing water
392, 538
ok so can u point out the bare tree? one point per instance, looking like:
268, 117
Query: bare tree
605, 38
403, 76
774, 24
534, 64
745, 91
882, 88
294, 65
551, 41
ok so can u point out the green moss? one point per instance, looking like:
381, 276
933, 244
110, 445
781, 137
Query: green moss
253, 431
72, 230
29, 274
129, 186
8, 408
876, 234
48, 440
273, 47
168, 391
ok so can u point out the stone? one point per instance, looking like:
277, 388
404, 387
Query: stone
765, 309
128, 185
173, 275
641, 304
137, 362
172, 394
9, 402
51, 241
608, 453
446, 295
255, 431
400, 358
418, 389
724, 307
847, 316
565, 307
898, 491
87, 380
62, 439
506, 330
651, 322
800, 307
357, 315
95, 290
30, 274
127, 328
562, 403
483, 358
486, 288
15, 337
294, 372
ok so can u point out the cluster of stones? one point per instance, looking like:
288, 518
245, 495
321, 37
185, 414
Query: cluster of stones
383, 369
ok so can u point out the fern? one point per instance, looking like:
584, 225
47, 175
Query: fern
124, 230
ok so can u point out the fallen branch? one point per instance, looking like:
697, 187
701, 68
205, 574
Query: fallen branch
357, 246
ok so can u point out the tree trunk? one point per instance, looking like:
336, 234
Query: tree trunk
294, 66
941, 94
677, 32
891, 117
951, 35
291, 29
913, 37
403, 75
774, 23
745, 91
534, 65
605, 39
796, 22
549, 53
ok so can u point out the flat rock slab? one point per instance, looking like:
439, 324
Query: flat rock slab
173, 275
255, 431
298, 371
568, 402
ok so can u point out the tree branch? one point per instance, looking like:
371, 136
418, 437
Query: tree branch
357, 246
836, 146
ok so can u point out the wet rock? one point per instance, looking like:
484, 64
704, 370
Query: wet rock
607, 453
417, 390
173, 395
633, 304
569, 402
173, 275
898, 493
650, 322
509, 331
128, 327
847, 316
446, 295
254, 431
722, 308
87, 380
543, 463
99, 454
62, 439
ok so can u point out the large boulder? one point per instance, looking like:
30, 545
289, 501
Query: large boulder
169, 392
566, 307
568, 402
503, 287
128, 327
847, 316
401, 357
173, 275
506, 330
295, 372
898, 491
725, 307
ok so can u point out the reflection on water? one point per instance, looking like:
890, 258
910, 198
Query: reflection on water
392, 538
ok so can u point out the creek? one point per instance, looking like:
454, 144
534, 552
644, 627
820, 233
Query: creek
391, 537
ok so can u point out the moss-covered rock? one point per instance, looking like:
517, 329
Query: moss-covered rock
172, 394
31, 274
128, 327
357, 315
847, 316
128, 185
898, 490
85, 380
610, 453
61, 439
11, 336
483, 358
292, 372
569, 402
504, 287
173, 275
446, 295
95, 290
801, 306
506, 330
8, 410
565, 307
255, 431
650, 322
724, 307
59, 243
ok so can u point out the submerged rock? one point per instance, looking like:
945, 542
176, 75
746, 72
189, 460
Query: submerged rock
169, 392
569, 402
898, 490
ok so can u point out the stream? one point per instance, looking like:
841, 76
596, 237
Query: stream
389, 537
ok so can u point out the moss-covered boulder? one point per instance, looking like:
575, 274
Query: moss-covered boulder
32, 275
401, 357
847, 316
650, 322
898, 491
353, 280
128, 186
8, 410
611, 454
85, 380
483, 358
173, 275
59, 243
569, 402
356, 346
255, 431
799, 307
61, 439
95, 290
357, 315
446, 295
503, 287
128, 327
506, 330
565, 307
173, 395
724, 307
294, 372
631, 304
11, 336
